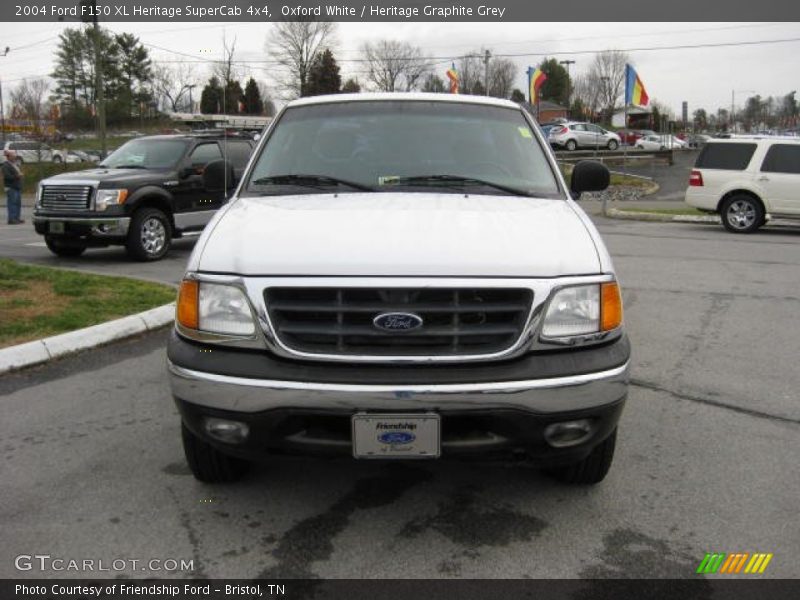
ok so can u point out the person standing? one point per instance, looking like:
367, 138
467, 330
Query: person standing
12, 179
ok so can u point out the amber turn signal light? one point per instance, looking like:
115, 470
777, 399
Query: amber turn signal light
188, 298
610, 306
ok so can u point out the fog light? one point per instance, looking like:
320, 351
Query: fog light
568, 433
230, 432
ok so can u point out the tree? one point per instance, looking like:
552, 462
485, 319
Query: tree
295, 45
233, 97
517, 96
502, 73
211, 98
135, 70
172, 84
323, 76
700, 118
556, 87
253, 104
394, 66
607, 73
351, 86
434, 84
225, 70
472, 75
28, 100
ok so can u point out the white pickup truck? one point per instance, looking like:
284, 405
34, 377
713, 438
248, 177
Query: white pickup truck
401, 276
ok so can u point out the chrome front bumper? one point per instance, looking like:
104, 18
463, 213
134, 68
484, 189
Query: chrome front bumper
542, 396
98, 227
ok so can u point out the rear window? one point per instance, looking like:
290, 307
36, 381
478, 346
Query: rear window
729, 157
237, 152
782, 158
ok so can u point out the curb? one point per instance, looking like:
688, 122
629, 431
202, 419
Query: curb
616, 213
47, 349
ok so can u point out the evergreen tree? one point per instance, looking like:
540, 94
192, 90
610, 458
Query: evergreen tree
556, 86
517, 96
434, 84
234, 98
351, 86
253, 105
323, 76
211, 98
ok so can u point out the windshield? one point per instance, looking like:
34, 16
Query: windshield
403, 145
146, 154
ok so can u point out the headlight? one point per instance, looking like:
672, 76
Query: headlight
106, 198
214, 308
583, 310
39, 196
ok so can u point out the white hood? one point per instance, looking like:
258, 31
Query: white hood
399, 234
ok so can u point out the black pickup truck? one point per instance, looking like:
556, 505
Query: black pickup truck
145, 194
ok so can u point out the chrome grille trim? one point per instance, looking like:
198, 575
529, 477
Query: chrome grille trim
66, 197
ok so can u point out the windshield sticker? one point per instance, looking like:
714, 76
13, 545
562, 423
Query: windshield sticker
525, 132
388, 179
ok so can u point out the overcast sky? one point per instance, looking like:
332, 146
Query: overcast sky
704, 77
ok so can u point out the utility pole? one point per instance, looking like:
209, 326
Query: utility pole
191, 103
90, 6
486, 57
2, 109
567, 63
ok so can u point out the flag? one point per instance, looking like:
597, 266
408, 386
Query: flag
634, 89
452, 75
536, 78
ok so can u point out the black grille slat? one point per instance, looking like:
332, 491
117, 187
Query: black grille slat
456, 321
66, 197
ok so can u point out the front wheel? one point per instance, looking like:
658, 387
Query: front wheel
64, 248
57, 159
742, 214
593, 468
572, 145
209, 464
150, 235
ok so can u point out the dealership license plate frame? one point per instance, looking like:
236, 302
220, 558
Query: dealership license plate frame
55, 227
427, 436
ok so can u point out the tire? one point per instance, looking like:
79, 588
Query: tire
209, 464
742, 213
57, 159
593, 468
150, 235
613, 144
662, 148
571, 145
64, 248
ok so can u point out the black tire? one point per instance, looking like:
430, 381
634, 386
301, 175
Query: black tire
571, 145
57, 159
742, 213
209, 464
64, 248
613, 144
593, 468
149, 236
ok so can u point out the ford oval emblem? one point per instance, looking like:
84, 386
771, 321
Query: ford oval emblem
397, 321
396, 438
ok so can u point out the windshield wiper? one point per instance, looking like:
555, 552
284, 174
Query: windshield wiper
310, 181
455, 180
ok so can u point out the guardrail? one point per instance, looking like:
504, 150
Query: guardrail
615, 155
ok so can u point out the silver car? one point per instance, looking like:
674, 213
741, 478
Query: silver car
573, 135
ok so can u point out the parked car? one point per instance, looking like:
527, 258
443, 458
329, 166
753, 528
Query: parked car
401, 276
746, 181
697, 140
29, 151
629, 136
142, 196
651, 142
573, 135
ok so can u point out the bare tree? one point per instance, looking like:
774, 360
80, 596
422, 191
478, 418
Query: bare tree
394, 66
28, 99
472, 73
172, 83
585, 90
225, 70
607, 73
502, 73
295, 45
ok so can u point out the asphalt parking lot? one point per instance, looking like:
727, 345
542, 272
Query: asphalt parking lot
706, 460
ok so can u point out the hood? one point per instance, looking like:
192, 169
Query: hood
128, 177
399, 234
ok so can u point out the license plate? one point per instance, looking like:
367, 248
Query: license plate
56, 227
396, 436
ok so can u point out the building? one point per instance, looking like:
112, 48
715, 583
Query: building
548, 111
638, 118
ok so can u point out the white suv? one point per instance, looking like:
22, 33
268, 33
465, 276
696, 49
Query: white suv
747, 181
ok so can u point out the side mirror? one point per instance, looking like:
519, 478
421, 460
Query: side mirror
218, 176
589, 176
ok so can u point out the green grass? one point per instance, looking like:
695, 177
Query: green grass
616, 178
93, 143
37, 302
33, 173
693, 212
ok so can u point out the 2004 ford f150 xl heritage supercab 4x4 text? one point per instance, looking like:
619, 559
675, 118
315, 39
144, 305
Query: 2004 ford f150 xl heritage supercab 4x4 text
401, 276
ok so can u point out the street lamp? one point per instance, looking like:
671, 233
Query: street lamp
733, 104
191, 104
567, 63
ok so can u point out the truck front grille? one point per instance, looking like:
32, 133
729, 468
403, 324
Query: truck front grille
66, 197
455, 321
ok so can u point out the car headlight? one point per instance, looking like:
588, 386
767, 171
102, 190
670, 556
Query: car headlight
38, 203
583, 310
214, 308
106, 198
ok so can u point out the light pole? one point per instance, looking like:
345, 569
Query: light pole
2, 110
567, 63
191, 104
486, 58
733, 104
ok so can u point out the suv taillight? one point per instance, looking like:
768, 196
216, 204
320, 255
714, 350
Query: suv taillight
696, 179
